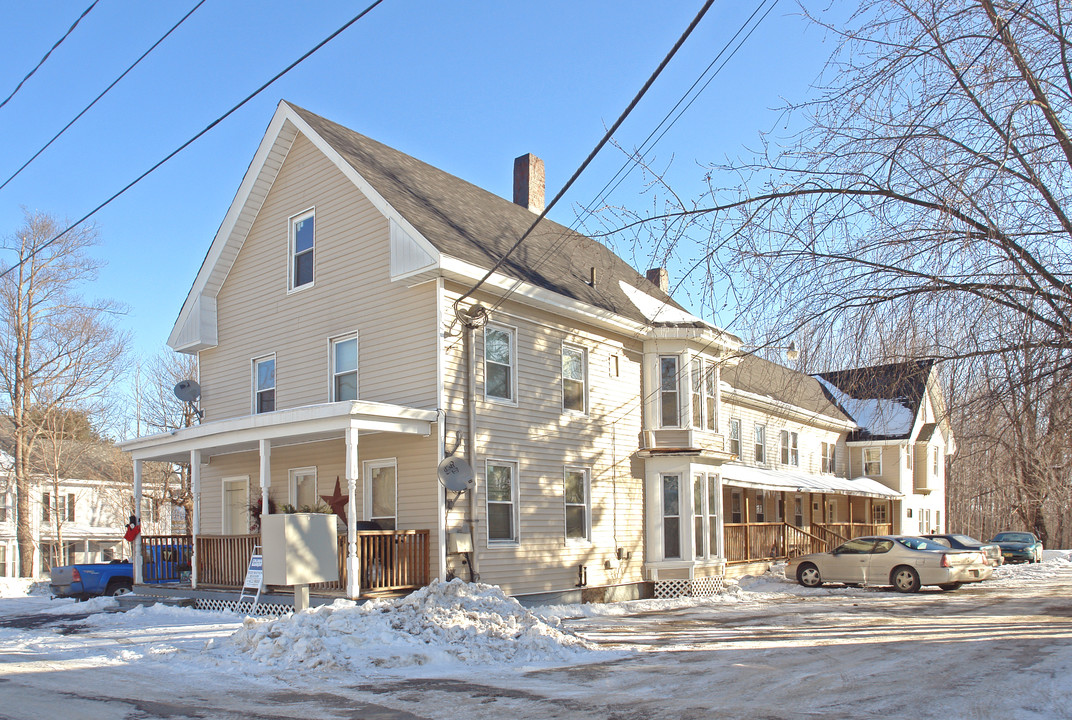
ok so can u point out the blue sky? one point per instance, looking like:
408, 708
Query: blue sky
465, 86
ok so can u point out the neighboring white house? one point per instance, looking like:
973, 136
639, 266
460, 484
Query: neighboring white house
345, 352
73, 520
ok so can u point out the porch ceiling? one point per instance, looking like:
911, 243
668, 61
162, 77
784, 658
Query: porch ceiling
736, 475
283, 427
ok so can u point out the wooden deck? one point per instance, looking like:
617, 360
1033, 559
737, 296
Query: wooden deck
769, 541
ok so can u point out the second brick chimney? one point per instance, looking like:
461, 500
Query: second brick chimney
660, 278
528, 182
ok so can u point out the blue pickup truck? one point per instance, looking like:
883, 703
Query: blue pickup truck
162, 564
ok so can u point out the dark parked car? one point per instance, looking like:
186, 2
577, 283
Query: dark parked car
1019, 546
965, 542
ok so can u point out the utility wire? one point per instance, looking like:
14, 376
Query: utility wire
628, 166
591, 155
189, 142
56, 45
102, 94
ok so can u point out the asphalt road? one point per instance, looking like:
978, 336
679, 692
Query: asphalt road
981, 652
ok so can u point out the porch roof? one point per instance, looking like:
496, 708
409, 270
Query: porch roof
310, 423
737, 475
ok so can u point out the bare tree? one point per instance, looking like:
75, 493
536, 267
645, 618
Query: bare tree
57, 348
159, 410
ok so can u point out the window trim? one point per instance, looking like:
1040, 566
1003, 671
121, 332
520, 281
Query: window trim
254, 363
573, 347
515, 485
760, 445
333, 370
734, 423
512, 332
865, 462
828, 459
664, 392
664, 515
225, 519
587, 486
367, 467
701, 370
291, 238
292, 484
789, 442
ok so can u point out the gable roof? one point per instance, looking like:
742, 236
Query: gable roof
445, 216
756, 376
884, 400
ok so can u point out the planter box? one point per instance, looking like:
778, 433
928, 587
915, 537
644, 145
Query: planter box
299, 548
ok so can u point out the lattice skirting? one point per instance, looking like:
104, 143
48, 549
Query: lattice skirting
697, 587
261, 609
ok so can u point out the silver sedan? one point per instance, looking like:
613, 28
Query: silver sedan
904, 561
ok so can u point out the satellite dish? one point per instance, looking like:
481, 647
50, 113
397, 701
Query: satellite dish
188, 391
455, 474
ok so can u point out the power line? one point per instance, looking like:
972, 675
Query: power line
595, 151
629, 164
189, 142
54, 46
102, 94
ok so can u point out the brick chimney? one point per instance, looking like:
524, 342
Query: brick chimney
528, 182
659, 278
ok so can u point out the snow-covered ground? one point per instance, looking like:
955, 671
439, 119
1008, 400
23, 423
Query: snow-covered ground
766, 647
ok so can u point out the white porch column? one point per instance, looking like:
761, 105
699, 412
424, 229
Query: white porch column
353, 581
137, 512
266, 474
195, 525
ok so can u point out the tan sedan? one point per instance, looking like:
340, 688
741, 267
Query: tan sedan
904, 561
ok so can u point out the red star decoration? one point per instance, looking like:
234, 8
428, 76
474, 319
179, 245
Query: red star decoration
337, 501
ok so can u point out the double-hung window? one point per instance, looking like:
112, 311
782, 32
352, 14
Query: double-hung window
499, 363
303, 496
735, 437
344, 369
669, 411
761, 443
829, 464
671, 516
574, 372
705, 514
502, 500
702, 380
264, 384
790, 448
382, 493
872, 461
575, 492
302, 241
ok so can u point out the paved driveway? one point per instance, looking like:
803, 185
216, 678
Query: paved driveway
987, 651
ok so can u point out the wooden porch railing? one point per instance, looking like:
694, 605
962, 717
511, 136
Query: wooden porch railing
165, 557
389, 560
757, 542
848, 531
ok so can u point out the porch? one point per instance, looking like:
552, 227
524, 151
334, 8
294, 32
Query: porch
748, 542
388, 561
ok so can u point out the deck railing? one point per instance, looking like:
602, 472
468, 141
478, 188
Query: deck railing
848, 531
389, 560
757, 542
165, 557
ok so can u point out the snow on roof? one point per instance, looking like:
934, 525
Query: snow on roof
656, 310
444, 623
763, 479
879, 416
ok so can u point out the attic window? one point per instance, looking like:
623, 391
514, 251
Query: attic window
301, 249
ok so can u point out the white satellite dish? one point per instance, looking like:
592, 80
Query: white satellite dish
455, 474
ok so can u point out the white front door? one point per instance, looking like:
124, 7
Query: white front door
235, 506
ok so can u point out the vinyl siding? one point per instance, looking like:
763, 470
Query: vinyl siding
543, 438
809, 439
416, 460
352, 291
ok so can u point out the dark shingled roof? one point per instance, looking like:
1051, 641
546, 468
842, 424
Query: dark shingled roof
474, 225
904, 382
762, 377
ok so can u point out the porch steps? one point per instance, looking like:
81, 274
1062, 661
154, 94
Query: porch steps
132, 600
